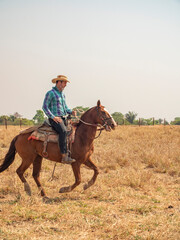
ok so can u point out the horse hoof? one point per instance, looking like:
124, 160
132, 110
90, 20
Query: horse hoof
62, 190
65, 189
27, 189
46, 199
85, 186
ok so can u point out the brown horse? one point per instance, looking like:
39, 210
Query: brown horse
31, 150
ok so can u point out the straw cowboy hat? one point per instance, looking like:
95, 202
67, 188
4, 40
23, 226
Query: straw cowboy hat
60, 78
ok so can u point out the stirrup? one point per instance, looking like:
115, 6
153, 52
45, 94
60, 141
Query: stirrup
67, 160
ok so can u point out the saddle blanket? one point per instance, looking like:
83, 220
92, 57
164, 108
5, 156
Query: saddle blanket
44, 136
46, 133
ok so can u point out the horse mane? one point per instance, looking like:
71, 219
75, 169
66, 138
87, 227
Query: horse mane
78, 123
86, 113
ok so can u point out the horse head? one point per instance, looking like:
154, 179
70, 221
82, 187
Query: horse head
104, 117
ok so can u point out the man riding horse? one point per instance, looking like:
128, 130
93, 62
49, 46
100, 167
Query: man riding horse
31, 150
56, 110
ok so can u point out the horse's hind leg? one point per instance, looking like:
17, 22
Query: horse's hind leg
77, 174
36, 173
91, 165
20, 171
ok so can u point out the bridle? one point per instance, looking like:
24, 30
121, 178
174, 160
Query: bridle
102, 127
104, 119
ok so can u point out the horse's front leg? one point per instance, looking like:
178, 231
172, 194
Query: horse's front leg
76, 169
91, 165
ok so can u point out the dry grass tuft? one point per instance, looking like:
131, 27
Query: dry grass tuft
135, 197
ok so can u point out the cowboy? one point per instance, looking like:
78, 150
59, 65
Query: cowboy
56, 109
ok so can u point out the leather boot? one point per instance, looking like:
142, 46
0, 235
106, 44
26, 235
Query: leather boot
66, 159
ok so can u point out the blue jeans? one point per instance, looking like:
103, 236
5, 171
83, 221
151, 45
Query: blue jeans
61, 129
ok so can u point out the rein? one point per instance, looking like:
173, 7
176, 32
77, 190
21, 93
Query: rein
94, 125
102, 127
89, 124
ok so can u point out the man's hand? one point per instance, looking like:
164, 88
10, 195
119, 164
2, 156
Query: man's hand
57, 119
74, 113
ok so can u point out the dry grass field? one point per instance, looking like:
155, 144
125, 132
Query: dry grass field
136, 195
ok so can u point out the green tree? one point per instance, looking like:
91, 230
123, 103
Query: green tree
176, 121
26, 121
14, 118
148, 121
118, 117
160, 120
131, 116
39, 117
2, 119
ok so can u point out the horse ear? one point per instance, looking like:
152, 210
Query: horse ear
98, 103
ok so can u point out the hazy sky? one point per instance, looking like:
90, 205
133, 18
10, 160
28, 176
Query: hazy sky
124, 52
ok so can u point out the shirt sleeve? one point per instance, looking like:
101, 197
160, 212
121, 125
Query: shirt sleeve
46, 103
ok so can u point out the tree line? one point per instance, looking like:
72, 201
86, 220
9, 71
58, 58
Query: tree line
126, 119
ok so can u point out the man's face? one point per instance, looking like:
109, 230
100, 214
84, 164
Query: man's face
61, 85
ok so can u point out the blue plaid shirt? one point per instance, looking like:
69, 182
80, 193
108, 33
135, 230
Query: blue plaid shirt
54, 104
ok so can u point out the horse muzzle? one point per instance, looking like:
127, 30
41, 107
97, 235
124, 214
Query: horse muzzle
111, 125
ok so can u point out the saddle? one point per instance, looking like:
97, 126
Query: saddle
45, 133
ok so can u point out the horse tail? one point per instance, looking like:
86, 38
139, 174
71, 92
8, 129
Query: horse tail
9, 158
